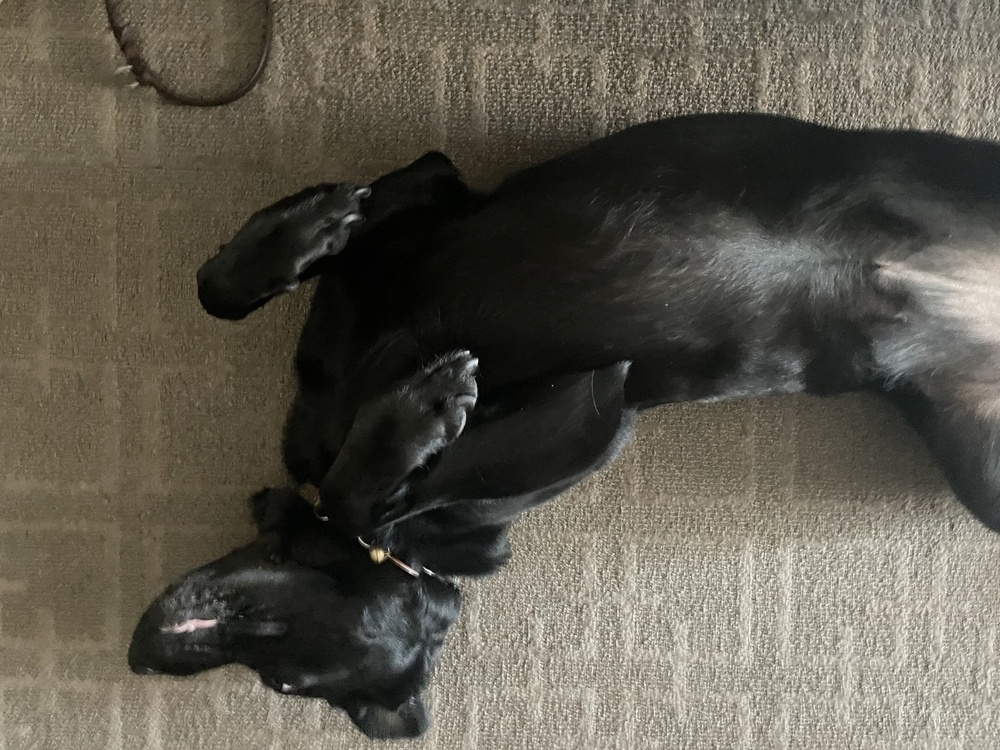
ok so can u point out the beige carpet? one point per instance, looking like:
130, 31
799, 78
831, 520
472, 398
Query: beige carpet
786, 574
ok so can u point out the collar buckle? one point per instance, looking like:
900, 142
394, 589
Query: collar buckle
379, 555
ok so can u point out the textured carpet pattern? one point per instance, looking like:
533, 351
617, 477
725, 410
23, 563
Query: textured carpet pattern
788, 574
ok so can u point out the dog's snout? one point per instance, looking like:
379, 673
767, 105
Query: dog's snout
139, 662
212, 295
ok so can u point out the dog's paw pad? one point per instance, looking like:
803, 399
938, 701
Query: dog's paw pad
447, 389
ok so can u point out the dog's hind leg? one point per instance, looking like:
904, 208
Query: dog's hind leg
965, 444
941, 359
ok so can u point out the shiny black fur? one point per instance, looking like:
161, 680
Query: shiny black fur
470, 355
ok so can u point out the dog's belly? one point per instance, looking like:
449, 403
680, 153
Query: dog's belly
746, 234
730, 310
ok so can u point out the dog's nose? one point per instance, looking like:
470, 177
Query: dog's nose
219, 297
138, 656
142, 670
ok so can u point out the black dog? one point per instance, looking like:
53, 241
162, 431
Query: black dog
699, 258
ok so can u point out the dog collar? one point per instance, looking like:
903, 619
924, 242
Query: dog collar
376, 554
379, 555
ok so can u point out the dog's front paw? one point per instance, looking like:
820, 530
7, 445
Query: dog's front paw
440, 396
395, 436
336, 213
422, 415
279, 247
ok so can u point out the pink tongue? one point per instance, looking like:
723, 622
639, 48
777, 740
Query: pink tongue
189, 626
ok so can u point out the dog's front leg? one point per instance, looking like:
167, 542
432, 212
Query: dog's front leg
282, 245
526, 446
395, 435
333, 390
529, 447
276, 248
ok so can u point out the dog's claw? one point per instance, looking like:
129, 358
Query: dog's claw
362, 192
352, 219
123, 69
472, 364
134, 85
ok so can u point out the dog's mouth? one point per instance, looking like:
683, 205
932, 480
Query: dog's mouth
179, 647
189, 626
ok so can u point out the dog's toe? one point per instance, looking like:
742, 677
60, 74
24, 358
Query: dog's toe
448, 391
452, 379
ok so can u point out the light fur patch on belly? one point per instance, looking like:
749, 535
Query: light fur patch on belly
959, 290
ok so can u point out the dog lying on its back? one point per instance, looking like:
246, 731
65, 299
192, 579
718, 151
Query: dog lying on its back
468, 356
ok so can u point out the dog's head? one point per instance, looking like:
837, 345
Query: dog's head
311, 614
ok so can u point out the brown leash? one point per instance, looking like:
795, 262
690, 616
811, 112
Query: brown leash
145, 76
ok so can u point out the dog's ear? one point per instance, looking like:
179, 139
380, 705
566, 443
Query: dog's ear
380, 723
277, 247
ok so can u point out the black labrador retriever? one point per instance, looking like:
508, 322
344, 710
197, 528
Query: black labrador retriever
468, 356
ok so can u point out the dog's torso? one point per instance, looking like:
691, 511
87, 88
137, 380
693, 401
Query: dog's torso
722, 256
